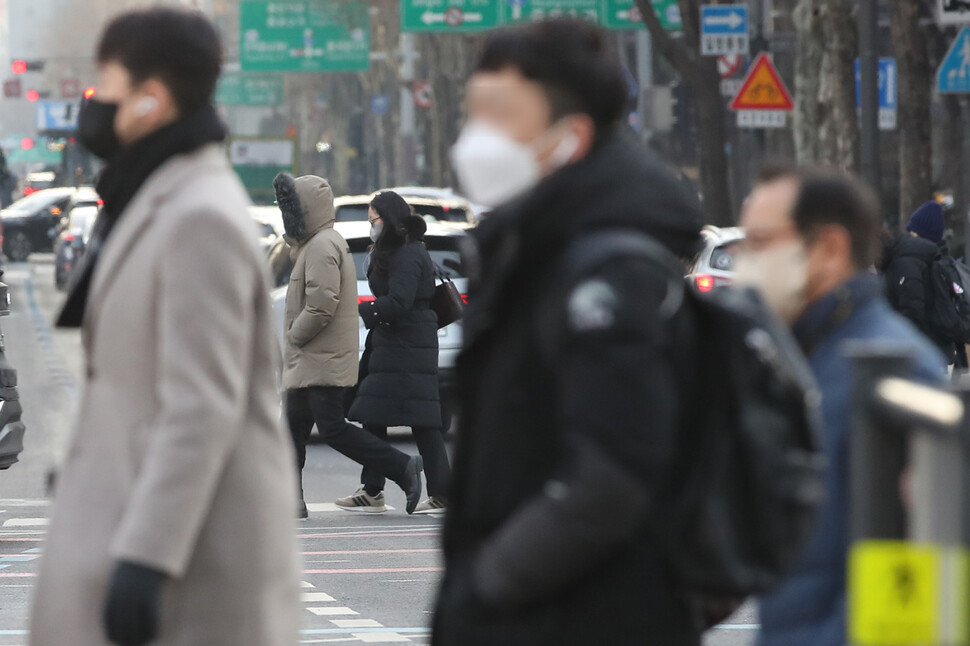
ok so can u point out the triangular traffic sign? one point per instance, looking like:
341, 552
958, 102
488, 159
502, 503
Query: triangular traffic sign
763, 89
954, 72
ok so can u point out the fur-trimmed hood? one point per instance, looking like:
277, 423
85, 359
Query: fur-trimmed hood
306, 204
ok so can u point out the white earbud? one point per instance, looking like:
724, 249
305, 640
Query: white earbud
146, 105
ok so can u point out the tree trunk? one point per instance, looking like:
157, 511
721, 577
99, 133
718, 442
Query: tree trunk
839, 123
701, 76
808, 62
915, 90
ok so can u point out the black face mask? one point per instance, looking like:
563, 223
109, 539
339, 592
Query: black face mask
96, 127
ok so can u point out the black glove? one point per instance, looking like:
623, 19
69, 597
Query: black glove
132, 607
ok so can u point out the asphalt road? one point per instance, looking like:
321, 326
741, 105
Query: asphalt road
366, 579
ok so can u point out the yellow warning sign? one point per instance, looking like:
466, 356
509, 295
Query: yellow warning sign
894, 590
763, 89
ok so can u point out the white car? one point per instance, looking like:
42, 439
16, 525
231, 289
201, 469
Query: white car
442, 242
714, 265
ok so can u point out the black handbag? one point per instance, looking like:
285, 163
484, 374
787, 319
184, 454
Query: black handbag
446, 302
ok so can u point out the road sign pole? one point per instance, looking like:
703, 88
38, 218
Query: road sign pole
644, 77
408, 116
869, 86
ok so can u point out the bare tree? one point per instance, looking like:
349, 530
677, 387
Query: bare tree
915, 90
826, 125
701, 76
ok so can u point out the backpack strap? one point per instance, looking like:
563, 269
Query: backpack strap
591, 252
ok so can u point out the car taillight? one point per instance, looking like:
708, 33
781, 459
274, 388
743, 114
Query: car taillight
28, 190
705, 283
464, 299
365, 299
69, 237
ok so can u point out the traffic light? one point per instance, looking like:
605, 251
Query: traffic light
19, 67
33, 96
26, 143
89, 93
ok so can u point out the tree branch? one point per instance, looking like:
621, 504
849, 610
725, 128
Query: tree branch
678, 55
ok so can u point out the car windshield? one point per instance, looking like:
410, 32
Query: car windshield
37, 201
353, 213
442, 213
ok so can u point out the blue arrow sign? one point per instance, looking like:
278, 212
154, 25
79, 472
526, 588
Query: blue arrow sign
954, 74
718, 20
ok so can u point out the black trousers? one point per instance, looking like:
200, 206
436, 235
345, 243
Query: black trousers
324, 406
431, 446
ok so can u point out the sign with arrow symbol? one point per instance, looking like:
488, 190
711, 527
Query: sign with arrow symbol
724, 30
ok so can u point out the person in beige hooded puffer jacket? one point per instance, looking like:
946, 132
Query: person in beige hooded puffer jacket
322, 340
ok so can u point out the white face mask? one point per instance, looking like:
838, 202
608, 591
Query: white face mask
376, 230
494, 168
779, 274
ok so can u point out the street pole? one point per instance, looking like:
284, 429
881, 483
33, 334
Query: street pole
869, 67
644, 79
408, 117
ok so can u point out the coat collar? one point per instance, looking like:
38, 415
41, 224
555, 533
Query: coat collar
831, 312
166, 183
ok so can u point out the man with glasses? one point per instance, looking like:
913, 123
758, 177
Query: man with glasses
812, 238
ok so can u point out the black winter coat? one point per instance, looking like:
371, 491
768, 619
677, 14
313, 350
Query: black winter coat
400, 363
908, 285
548, 537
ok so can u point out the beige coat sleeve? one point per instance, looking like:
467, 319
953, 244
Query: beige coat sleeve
205, 330
322, 293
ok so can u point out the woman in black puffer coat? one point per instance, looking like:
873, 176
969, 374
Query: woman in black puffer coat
399, 369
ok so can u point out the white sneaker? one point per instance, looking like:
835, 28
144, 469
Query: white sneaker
361, 501
431, 506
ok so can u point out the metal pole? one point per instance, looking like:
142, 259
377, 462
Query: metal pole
964, 183
408, 116
869, 66
644, 78
877, 456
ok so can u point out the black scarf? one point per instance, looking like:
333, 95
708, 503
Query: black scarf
121, 180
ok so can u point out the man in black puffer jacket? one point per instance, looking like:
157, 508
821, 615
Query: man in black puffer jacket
573, 389
907, 268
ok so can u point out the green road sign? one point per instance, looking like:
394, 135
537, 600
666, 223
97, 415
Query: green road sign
449, 15
517, 11
250, 89
624, 14
304, 36
257, 161
480, 15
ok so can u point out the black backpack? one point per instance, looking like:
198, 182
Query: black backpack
948, 306
753, 483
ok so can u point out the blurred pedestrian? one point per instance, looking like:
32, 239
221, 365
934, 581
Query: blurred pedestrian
322, 337
564, 438
399, 369
811, 238
909, 276
8, 182
179, 483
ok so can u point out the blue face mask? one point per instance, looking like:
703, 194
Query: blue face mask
376, 230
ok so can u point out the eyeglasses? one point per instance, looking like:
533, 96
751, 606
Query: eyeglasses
373, 220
